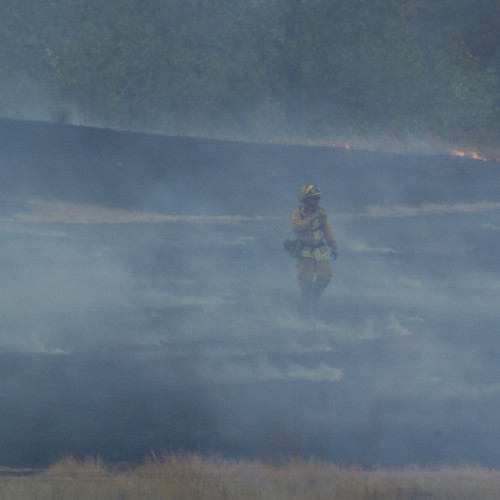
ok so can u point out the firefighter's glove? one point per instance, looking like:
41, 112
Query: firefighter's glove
334, 252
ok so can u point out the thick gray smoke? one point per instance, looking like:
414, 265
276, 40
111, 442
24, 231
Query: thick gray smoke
148, 304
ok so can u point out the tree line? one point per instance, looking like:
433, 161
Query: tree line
310, 69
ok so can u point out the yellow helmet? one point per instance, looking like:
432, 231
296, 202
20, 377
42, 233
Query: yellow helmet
309, 191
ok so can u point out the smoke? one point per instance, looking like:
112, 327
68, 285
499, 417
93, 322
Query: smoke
153, 307
50, 278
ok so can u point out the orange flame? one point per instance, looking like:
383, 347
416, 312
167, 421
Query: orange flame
342, 146
469, 154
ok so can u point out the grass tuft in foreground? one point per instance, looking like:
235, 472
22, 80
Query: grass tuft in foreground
197, 477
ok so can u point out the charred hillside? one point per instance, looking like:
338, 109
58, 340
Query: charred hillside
119, 168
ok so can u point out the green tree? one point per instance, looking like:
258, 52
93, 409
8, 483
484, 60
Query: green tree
306, 68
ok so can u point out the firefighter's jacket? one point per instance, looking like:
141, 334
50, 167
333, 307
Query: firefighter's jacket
314, 232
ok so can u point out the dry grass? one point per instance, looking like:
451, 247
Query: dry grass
197, 477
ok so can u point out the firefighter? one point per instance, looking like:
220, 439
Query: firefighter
317, 246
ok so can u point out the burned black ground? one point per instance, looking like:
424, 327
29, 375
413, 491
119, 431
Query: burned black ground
122, 338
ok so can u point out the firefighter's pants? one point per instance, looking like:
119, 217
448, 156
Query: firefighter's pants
314, 276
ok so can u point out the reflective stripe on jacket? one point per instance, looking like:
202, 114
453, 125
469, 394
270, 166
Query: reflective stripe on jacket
317, 253
313, 229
